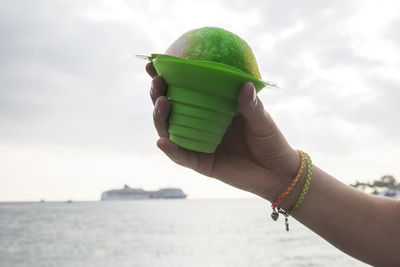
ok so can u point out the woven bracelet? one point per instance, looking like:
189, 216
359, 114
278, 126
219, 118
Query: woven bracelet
284, 194
300, 199
306, 186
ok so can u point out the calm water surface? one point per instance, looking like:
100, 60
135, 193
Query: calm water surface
157, 233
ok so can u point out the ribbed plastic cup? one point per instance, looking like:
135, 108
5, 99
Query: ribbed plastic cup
203, 97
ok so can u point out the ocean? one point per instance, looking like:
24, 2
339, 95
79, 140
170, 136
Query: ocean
158, 233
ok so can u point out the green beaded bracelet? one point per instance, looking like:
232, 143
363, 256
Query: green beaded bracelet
300, 199
305, 187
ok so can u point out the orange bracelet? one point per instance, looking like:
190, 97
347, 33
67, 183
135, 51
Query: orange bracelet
306, 186
284, 194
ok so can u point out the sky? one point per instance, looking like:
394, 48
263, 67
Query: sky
75, 111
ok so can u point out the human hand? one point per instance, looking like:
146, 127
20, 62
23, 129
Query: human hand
253, 156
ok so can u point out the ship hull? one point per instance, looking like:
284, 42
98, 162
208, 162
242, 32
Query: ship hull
128, 193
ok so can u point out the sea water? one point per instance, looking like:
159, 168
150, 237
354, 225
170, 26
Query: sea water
158, 233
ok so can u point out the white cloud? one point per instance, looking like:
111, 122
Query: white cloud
75, 113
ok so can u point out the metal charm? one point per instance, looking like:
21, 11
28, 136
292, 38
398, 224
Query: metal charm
287, 222
274, 215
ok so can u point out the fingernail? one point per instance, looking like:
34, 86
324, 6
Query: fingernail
157, 107
254, 95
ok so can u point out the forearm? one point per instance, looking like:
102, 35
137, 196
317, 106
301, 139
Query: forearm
364, 226
255, 156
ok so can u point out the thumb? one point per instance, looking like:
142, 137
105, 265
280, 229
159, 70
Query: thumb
258, 121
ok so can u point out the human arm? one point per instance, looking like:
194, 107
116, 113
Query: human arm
255, 156
364, 226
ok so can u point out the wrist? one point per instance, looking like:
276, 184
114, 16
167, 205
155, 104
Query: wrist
281, 175
289, 202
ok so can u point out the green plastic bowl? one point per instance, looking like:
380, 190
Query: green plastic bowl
203, 97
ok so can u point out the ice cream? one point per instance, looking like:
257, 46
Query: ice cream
217, 45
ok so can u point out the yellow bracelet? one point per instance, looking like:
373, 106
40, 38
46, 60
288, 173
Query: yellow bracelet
305, 187
284, 194
300, 199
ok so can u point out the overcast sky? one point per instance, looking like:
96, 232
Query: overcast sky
75, 112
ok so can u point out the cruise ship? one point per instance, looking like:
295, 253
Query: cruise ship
128, 193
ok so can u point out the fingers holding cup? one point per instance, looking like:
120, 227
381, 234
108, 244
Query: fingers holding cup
151, 70
160, 116
158, 88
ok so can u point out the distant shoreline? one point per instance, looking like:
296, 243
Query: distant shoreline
123, 201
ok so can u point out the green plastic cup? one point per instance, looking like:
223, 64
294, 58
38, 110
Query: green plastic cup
203, 97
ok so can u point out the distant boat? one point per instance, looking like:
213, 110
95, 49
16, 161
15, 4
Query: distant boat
128, 193
68, 201
393, 193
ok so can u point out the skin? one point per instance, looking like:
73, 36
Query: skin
255, 156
